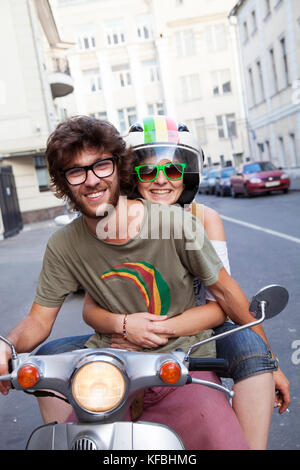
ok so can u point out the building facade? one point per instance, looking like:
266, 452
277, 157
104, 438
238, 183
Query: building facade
269, 39
177, 57
34, 84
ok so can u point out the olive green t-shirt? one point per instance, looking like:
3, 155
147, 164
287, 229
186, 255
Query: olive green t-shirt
152, 271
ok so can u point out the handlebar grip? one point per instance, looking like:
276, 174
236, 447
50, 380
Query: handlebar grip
215, 365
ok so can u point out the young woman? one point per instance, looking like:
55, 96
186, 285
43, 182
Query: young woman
166, 174
168, 164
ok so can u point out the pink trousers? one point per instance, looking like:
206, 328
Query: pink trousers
202, 416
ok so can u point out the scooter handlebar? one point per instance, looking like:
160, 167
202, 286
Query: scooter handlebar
211, 364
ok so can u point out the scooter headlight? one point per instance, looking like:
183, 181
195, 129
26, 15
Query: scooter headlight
98, 386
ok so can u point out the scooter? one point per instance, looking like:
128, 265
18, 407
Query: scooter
101, 384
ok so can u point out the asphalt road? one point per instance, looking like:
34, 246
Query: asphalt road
262, 253
266, 253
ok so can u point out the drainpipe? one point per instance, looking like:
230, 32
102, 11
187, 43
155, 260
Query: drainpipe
46, 91
233, 21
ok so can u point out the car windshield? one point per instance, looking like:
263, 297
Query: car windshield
257, 167
227, 172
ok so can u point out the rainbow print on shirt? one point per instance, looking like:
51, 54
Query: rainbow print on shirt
149, 282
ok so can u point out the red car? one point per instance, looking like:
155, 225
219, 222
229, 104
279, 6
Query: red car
259, 177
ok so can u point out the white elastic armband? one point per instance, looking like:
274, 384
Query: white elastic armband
222, 252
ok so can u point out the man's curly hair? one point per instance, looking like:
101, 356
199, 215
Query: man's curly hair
81, 133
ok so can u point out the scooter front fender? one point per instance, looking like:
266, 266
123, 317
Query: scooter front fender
112, 436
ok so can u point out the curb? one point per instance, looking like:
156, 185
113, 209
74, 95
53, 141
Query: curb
38, 225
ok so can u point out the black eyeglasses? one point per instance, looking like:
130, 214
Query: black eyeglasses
78, 174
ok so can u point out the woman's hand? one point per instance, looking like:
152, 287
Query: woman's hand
144, 330
282, 387
118, 342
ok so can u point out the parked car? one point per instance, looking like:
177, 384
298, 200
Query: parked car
259, 177
207, 185
203, 181
222, 186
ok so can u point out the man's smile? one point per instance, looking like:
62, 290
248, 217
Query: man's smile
96, 195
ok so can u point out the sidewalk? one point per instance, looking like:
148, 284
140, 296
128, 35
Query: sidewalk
38, 225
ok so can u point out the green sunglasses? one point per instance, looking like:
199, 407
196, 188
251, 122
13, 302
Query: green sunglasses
149, 173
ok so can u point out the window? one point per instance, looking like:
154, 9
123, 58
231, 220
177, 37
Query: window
254, 22
156, 108
226, 126
295, 159
151, 71
284, 60
93, 80
245, 31
216, 37
221, 82
190, 87
144, 28
63, 114
86, 37
268, 147
221, 130
257, 167
261, 81
267, 8
100, 115
261, 150
127, 117
198, 128
42, 173
231, 125
298, 35
252, 88
115, 33
281, 152
273, 68
122, 76
185, 43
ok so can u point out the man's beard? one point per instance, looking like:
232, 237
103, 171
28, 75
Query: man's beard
113, 201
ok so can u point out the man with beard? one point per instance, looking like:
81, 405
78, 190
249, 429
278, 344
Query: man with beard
90, 166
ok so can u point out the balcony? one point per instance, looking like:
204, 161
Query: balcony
60, 79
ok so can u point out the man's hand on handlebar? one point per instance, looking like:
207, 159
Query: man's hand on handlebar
5, 355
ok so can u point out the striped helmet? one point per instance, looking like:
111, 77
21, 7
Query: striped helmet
161, 137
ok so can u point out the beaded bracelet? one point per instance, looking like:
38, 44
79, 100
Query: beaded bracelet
124, 335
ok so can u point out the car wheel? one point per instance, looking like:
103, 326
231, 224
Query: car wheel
233, 193
286, 190
222, 192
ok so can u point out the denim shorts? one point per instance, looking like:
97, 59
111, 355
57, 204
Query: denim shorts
246, 353
62, 345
